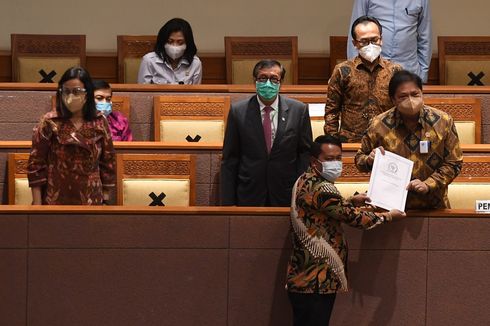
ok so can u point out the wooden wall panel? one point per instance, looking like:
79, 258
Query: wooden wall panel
314, 69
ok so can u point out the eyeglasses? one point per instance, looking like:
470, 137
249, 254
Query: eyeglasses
367, 41
264, 79
75, 91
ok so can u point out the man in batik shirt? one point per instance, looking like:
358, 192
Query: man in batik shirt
316, 269
422, 134
358, 88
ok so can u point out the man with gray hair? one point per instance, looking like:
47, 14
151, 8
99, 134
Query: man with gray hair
266, 143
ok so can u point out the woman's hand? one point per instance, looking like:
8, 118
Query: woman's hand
36, 196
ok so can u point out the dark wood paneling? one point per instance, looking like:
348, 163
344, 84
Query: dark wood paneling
103, 66
313, 70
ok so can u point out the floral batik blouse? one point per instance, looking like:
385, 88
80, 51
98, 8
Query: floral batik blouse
71, 165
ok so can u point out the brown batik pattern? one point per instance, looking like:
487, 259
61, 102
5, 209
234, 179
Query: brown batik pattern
72, 166
355, 95
437, 168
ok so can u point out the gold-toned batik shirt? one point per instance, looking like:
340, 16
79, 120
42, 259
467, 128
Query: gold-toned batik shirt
437, 168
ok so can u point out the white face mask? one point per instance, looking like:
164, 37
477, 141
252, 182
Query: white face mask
370, 52
175, 51
331, 170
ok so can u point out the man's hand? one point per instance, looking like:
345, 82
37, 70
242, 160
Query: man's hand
370, 158
396, 214
418, 186
360, 200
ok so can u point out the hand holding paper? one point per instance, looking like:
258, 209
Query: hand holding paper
390, 176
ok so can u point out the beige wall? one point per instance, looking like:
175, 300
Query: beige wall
312, 20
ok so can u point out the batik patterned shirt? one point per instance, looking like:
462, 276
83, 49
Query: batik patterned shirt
322, 210
437, 168
355, 95
71, 165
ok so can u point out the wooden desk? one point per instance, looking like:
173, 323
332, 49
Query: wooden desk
226, 266
208, 158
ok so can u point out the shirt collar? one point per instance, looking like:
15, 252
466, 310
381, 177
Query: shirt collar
358, 62
274, 106
182, 61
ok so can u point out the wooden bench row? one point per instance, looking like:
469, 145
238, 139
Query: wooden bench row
191, 119
170, 180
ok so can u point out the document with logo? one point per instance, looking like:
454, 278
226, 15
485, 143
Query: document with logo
389, 180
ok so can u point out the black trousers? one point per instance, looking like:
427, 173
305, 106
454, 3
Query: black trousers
311, 309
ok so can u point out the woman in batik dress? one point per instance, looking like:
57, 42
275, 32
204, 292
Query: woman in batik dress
72, 161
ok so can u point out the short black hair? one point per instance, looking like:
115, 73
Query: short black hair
268, 63
176, 25
89, 110
401, 77
101, 84
364, 20
316, 146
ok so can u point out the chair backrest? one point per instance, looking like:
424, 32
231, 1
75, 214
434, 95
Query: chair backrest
464, 60
119, 104
156, 179
130, 50
44, 58
466, 113
19, 192
472, 184
338, 50
243, 52
316, 106
190, 119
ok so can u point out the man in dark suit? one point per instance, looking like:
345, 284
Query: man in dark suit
266, 143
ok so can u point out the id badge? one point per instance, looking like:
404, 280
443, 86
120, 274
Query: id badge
424, 146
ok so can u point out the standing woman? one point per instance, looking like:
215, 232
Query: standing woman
174, 59
72, 159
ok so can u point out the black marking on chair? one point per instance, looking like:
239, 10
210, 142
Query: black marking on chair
475, 79
157, 200
47, 78
193, 140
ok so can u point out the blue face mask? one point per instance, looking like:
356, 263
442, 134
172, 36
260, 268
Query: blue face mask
267, 90
104, 107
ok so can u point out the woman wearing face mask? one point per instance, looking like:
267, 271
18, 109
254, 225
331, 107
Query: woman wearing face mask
174, 59
72, 161
118, 123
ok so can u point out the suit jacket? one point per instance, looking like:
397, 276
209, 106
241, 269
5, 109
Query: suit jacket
249, 175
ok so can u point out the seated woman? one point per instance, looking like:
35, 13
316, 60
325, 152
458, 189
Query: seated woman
118, 123
174, 60
72, 160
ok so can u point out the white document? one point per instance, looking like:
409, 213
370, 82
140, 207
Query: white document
389, 180
316, 109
